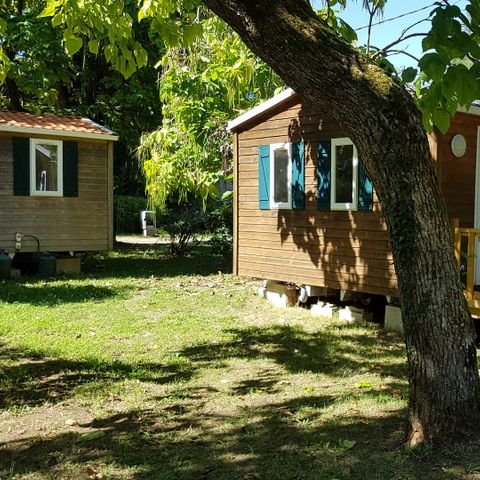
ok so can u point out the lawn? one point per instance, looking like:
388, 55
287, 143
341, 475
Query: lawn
173, 369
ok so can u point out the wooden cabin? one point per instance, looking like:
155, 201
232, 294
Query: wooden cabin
56, 192
305, 210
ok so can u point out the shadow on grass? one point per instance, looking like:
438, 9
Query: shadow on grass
28, 380
259, 442
143, 261
331, 353
55, 293
190, 434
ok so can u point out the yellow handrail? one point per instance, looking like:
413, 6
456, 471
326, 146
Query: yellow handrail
471, 234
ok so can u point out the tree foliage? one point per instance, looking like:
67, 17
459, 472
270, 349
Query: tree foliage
43, 78
203, 85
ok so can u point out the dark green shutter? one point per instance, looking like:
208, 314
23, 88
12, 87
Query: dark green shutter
365, 192
21, 166
264, 177
298, 175
324, 175
70, 169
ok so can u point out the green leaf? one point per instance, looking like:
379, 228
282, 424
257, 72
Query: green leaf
441, 119
49, 10
72, 43
93, 46
409, 74
89, 436
363, 385
347, 444
432, 65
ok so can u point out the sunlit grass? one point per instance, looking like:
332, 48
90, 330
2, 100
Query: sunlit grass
190, 375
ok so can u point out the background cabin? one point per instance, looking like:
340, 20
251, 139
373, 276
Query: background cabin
56, 192
306, 212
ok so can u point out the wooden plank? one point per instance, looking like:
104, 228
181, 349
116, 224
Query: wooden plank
235, 204
110, 161
470, 265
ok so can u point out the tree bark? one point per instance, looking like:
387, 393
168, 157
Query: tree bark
381, 118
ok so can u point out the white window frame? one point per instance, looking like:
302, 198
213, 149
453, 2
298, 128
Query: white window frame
33, 184
280, 146
353, 205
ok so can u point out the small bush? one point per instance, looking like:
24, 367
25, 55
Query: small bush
126, 212
183, 223
220, 225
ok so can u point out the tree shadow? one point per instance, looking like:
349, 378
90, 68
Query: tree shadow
298, 351
39, 292
29, 379
270, 441
144, 261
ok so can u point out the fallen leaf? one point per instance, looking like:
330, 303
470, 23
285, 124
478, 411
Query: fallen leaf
347, 444
397, 393
87, 437
71, 422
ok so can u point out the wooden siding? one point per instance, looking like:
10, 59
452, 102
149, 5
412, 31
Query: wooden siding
339, 249
457, 175
61, 224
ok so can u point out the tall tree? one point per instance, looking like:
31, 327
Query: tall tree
43, 78
381, 117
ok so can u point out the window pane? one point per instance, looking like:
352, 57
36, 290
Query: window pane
46, 167
344, 174
280, 169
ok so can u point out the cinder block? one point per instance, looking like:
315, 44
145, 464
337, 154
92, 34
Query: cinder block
69, 265
393, 319
15, 273
352, 314
314, 291
323, 310
280, 295
262, 292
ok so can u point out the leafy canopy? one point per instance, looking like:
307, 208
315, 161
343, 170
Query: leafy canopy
203, 85
208, 74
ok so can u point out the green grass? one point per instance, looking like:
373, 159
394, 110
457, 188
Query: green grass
188, 374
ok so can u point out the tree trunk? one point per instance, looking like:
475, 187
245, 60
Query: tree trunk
381, 118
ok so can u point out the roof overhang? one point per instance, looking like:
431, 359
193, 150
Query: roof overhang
286, 95
259, 109
109, 135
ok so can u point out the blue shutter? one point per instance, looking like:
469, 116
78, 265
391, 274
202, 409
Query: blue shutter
365, 192
21, 166
264, 177
298, 175
324, 175
70, 169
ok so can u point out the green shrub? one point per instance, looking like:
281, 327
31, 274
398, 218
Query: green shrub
126, 213
220, 225
183, 224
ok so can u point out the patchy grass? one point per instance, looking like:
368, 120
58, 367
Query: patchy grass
169, 369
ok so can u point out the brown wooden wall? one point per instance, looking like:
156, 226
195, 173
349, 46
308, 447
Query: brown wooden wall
457, 175
62, 224
339, 249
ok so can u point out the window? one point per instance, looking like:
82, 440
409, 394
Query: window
281, 175
344, 192
46, 167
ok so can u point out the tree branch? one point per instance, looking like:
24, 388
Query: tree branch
396, 42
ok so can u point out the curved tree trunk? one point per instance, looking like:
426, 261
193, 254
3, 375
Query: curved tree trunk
382, 120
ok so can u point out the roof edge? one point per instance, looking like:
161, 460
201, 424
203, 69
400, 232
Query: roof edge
259, 109
59, 133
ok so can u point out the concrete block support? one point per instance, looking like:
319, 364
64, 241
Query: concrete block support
393, 319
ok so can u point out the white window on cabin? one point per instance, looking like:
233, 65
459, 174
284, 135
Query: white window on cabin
46, 167
281, 175
344, 191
